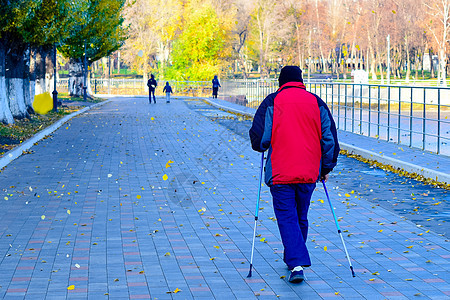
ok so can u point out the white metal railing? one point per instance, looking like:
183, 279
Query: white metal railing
416, 116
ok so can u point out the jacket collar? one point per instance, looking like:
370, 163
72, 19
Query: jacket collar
292, 84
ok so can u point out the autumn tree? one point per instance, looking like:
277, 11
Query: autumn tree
268, 26
100, 32
198, 49
439, 28
153, 25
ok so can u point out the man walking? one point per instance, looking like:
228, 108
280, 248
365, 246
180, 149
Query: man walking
151, 83
297, 128
216, 85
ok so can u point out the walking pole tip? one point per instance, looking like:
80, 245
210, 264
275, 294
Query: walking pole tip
250, 272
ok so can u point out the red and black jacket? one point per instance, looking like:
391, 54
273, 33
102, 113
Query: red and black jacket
298, 129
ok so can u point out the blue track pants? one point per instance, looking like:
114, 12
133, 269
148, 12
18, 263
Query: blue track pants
291, 204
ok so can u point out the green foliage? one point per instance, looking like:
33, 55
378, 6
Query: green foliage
197, 50
13, 14
101, 31
53, 21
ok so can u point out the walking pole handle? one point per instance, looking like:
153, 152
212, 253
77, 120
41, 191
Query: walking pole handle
259, 186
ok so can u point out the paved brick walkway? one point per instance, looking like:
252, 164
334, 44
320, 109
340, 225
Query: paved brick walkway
139, 201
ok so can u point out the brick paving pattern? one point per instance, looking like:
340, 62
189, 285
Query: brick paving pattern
154, 201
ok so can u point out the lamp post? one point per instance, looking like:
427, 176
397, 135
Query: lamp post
54, 93
85, 74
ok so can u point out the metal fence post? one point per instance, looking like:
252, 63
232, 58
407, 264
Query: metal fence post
411, 111
389, 114
439, 123
423, 117
378, 115
345, 111
353, 108
399, 114
332, 98
339, 106
360, 108
370, 111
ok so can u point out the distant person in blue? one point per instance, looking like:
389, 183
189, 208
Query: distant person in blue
151, 83
216, 85
167, 89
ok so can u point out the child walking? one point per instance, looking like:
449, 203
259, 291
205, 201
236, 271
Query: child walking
167, 89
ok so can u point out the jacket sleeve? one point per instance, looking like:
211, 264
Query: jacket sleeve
329, 142
261, 130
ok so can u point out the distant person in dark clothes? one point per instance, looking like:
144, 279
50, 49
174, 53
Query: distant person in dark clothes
167, 89
216, 85
151, 83
297, 128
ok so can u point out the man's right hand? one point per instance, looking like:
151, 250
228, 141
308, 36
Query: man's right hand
324, 178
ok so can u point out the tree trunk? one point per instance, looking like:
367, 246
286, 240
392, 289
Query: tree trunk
15, 66
32, 75
299, 49
379, 59
49, 71
118, 62
309, 56
89, 92
40, 68
75, 77
408, 62
416, 64
373, 68
26, 81
5, 113
105, 67
373, 64
431, 64
442, 67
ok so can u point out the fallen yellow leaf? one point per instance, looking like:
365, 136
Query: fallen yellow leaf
71, 287
165, 177
168, 163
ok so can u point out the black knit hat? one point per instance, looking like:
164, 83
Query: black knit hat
290, 73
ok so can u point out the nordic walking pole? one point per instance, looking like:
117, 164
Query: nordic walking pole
338, 228
256, 214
